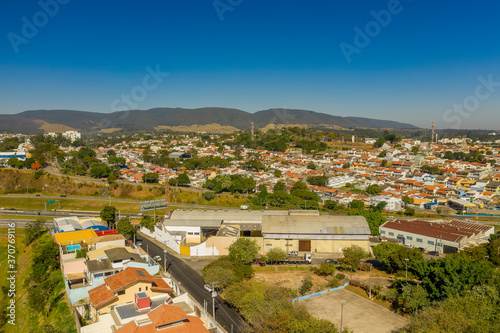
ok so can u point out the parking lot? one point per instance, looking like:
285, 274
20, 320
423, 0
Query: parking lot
360, 315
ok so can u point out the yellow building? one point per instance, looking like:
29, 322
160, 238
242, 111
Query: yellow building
75, 237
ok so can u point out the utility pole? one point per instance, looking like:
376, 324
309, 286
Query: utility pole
342, 303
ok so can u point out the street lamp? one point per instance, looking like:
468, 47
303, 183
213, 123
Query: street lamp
406, 263
342, 303
165, 260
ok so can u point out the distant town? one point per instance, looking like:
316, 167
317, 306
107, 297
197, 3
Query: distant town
181, 231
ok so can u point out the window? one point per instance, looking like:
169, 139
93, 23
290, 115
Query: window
382, 232
391, 233
430, 242
121, 292
139, 289
146, 288
409, 237
400, 236
419, 240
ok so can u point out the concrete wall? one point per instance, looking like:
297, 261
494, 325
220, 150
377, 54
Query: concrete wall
317, 245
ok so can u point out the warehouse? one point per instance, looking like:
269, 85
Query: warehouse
294, 230
444, 237
315, 233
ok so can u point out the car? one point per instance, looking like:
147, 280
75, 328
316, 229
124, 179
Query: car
293, 253
208, 288
421, 249
37, 195
138, 243
157, 258
63, 195
332, 261
433, 253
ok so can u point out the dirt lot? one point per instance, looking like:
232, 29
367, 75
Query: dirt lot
288, 279
360, 315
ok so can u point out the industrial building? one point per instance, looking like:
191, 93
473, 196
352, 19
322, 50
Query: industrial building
74, 223
444, 237
210, 232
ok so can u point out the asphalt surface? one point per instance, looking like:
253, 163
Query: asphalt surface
193, 283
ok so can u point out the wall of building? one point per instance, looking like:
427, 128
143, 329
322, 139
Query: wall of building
317, 245
129, 295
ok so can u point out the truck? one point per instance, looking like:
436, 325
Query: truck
291, 259
304, 259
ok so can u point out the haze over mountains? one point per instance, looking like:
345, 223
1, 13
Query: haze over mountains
40, 121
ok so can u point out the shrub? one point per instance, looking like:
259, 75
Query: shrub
333, 282
326, 268
340, 276
365, 267
306, 285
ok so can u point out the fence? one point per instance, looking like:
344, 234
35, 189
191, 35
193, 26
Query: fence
320, 293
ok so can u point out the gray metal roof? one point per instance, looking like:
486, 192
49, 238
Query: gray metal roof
322, 224
89, 223
121, 253
214, 218
67, 223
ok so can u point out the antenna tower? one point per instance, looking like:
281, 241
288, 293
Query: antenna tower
432, 135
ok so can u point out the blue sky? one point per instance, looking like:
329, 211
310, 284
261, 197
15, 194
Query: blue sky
421, 61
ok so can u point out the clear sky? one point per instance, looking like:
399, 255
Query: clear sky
409, 61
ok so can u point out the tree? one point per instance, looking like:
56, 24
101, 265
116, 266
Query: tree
381, 206
407, 200
244, 250
393, 256
151, 177
353, 256
148, 222
279, 186
373, 189
276, 254
414, 150
183, 179
318, 180
409, 211
108, 214
330, 205
357, 204
277, 173
477, 310
99, 170
209, 196
311, 166
12, 162
125, 228
326, 268
33, 230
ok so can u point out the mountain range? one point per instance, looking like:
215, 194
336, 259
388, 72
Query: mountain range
41, 121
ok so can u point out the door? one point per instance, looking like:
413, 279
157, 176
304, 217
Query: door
305, 245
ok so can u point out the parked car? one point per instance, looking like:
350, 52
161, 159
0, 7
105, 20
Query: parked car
208, 288
434, 253
331, 260
63, 195
293, 253
138, 243
157, 258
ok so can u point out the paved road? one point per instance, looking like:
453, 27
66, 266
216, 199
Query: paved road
193, 283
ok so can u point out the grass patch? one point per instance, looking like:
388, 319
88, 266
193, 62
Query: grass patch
60, 317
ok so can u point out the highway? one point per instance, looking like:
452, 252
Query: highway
193, 283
